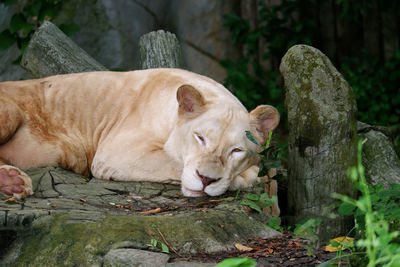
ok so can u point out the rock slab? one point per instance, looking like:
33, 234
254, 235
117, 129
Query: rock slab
74, 221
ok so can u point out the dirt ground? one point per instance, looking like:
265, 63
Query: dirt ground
281, 251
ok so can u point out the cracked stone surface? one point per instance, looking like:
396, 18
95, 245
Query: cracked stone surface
73, 220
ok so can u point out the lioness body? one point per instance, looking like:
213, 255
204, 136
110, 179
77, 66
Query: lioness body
128, 126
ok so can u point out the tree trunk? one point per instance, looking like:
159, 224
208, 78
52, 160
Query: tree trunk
159, 49
322, 138
51, 52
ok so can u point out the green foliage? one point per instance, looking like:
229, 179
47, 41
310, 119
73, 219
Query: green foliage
237, 262
374, 210
31, 15
290, 22
155, 243
258, 202
376, 86
269, 155
253, 84
307, 229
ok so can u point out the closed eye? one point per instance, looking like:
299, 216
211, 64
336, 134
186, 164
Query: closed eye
236, 151
200, 139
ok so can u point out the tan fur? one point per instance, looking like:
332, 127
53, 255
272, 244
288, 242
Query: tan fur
133, 126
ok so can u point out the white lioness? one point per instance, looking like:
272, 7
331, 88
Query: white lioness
159, 125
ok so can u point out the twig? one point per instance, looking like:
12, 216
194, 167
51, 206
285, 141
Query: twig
152, 211
166, 243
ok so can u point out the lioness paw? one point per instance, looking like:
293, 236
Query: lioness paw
14, 182
246, 179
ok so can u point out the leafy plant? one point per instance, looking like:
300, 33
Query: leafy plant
292, 22
269, 158
155, 243
31, 15
258, 202
269, 155
378, 240
376, 86
307, 229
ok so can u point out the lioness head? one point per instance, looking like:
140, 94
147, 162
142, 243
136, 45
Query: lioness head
211, 142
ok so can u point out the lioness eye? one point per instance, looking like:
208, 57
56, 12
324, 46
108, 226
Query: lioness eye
200, 139
235, 150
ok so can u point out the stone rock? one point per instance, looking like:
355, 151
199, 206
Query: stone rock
51, 52
204, 39
322, 137
382, 165
73, 220
134, 258
110, 32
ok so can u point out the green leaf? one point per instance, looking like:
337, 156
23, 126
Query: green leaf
227, 199
17, 23
164, 248
252, 196
335, 244
269, 139
251, 138
266, 201
274, 223
237, 262
263, 170
153, 242
326, 263
69, 29
346, 208
251, 204
34, 9
6, 40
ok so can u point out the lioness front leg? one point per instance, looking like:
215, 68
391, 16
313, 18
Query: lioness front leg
246, 179
14, 182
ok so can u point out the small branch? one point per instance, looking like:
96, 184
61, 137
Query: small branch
166, 243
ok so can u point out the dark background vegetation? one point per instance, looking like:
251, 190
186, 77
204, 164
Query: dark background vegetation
361, 37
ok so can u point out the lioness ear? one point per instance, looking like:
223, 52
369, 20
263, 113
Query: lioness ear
264, 119
191, 102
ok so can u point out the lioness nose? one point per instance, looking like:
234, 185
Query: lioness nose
206, 180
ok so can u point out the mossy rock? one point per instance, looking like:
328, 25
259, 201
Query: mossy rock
71, 221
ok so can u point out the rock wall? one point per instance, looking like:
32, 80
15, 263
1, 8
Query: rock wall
110, 32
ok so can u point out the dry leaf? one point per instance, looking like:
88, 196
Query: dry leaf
11, 200
341, 239
242, 248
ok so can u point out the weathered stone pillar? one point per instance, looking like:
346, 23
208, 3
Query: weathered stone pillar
322, 138
51, 52
159, 49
